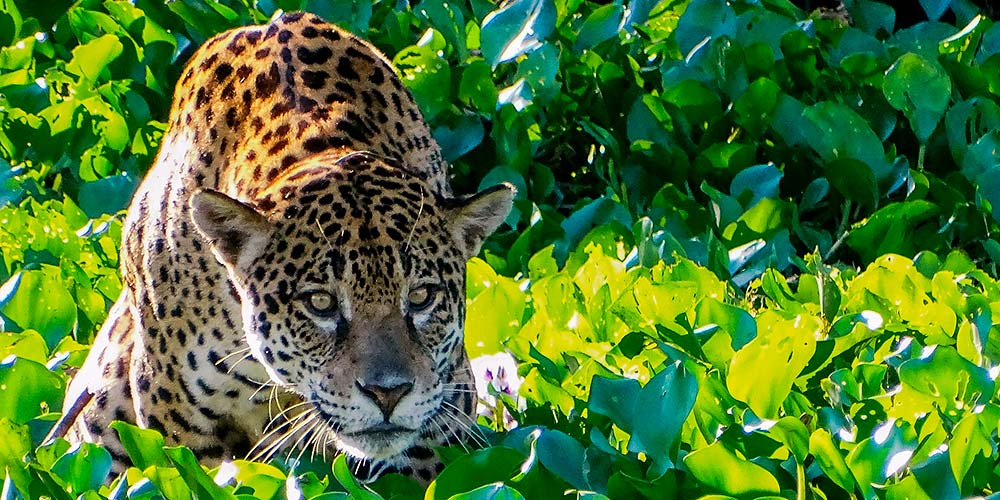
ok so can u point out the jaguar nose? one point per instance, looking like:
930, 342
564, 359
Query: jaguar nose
385, 395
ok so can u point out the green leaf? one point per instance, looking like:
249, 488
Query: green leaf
830, 459
427, 73
38, 300
145, 447
792, 433
477, 88
495, 491
490, 465
28, 389
950, 382
15, 445
342, 472
762, 372
839, 132
920, 89
965, 125
721, 469
92, 58
196, 478
28, 345
897, 228
600, 25
85, 467
970, 440
756, 107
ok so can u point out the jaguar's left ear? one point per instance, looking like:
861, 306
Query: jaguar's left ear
474, 218
236, 231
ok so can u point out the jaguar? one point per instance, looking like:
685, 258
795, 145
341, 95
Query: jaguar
293, 266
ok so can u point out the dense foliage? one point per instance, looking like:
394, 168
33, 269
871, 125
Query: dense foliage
751, 255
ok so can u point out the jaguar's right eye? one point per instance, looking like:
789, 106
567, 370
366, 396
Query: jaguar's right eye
320, 303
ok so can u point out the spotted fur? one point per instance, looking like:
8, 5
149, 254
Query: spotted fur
293, 265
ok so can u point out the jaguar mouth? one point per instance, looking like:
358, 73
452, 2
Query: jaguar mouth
385, 431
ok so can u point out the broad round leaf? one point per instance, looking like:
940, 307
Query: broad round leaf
920, 89
719, 468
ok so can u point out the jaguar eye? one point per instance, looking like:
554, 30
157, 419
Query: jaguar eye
422, 297
320, 303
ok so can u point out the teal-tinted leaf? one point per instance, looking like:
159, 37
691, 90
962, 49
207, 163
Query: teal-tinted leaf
28, 389
562, 455
989, 192
931, 479
459, 137
615, 398
661, 409
755, 183
106, 196
38, 299
703, 21
873, 17
966, 124
448, 19
599, 26
517, 27
647, 121
540, 72
934, 9
920, 89
721, 469
736, 322
791, 124
638, 11
598, 212
814, 193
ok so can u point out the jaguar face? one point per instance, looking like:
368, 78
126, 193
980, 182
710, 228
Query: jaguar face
351, 275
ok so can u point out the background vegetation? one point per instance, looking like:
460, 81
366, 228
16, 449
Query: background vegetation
752, 254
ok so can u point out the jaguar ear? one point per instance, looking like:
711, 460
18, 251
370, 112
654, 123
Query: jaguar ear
474, 218
237, 232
